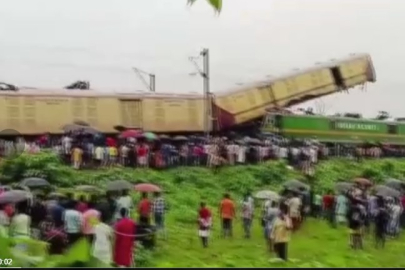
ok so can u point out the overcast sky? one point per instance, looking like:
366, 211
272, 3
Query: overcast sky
49, 43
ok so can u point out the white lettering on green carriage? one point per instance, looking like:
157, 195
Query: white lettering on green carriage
355, 126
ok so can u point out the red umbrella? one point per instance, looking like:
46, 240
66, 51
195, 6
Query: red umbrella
111, 142
131, 133
147, 188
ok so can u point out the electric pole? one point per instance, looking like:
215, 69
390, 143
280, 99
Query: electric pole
152, 79
207, 102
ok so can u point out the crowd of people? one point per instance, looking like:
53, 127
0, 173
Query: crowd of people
112, 223
363, 213
105, 221
91, 151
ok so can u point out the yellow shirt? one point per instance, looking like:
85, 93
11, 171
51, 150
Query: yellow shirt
113, 151
77, 154
281, 232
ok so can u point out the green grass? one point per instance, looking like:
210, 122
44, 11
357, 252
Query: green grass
315, 245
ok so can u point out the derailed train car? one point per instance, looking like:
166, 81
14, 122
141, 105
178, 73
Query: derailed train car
324, 79
35, 111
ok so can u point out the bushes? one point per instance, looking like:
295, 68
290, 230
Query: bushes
189, 184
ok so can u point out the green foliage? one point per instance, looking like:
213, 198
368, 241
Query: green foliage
216, 4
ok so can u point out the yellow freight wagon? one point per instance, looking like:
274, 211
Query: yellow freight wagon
35, 112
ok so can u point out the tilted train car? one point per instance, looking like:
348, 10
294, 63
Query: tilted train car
337, 129
34, 111
324, 79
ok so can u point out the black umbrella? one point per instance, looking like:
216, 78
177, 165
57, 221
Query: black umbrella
395, 184
119, 185
295, 185
385, 191
34, 182
14, 196
343, 187
79, 128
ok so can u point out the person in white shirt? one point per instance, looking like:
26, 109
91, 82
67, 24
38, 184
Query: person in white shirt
98, 155
102, 245
242, 154
20, 225
124, 201
294, 209
73, 222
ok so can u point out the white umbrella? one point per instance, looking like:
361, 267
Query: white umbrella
267, 195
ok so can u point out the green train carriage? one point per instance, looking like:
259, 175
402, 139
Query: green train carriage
336, 129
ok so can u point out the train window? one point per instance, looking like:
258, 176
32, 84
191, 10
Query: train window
278, 121
392, 129
337, 76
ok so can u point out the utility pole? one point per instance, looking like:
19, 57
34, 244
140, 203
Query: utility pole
205, 74
152, 79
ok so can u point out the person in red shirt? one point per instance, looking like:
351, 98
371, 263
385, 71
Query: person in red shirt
82, 205
142, 154
125, 230
204, 223
329, 207
144, 210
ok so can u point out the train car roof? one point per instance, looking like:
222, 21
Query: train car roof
317, 66
29, 91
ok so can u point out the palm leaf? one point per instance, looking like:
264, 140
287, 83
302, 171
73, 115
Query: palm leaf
216, 4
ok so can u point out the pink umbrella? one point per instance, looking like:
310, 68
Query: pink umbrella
131, 133
147, 188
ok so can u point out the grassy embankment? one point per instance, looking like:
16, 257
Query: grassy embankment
316, 245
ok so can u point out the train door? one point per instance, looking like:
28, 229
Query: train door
131, 113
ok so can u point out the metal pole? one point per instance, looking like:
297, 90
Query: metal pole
152, 82
207, 99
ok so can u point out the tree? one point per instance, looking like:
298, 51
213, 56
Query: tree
216, 4
382, 115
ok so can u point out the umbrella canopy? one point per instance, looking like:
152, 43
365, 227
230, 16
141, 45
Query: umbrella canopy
147, 188
164, 137
343, 187
385, 191
150, 136
79, 128
131, 133
119, 185
14, 196
87, 188
295, 185
180, 138
34, 182
56, 195
81, 123
362, 181
267, 195
395, 184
